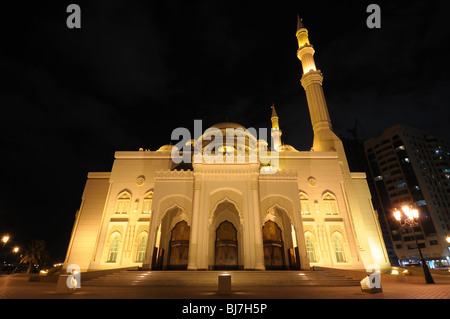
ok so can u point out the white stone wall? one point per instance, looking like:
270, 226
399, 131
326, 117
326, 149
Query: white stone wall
251, 199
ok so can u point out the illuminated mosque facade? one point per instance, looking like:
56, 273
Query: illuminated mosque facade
307, 210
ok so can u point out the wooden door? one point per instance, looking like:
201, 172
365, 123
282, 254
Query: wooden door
226, 252
179, 246
273, 246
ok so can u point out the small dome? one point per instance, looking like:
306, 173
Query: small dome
286, 148
165, 148
183, 166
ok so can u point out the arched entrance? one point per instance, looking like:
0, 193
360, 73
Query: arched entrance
226, 247
273, 246
179, 246
171, 241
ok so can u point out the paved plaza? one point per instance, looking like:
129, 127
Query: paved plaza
18, 286
196, 301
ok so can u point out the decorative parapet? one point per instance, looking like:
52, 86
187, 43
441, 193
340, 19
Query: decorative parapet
226, 171
281, 174
168, 174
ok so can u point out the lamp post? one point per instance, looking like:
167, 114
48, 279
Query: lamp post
411, 219
5, 239
448, 241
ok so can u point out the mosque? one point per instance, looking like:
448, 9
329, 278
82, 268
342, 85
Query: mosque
297, 210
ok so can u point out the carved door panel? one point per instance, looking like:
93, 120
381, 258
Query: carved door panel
273, 246
179, 246
226, 250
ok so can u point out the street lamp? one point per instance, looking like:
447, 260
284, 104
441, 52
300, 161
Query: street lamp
412, 219
448, 239
5, 239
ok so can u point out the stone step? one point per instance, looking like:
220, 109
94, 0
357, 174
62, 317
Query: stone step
244, 278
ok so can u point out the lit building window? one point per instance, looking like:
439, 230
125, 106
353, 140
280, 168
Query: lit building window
122, 203
141, 249
310, 248
330, 204
114, 248
420, 203
147, 205
338, 249
304, 204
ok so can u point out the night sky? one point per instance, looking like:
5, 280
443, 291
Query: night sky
136, 70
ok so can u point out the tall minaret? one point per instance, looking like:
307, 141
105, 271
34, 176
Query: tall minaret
367, 236
324, 138
276, 132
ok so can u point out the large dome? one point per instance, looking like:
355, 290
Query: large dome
242, 141
225, 125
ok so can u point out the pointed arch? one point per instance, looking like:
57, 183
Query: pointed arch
123, 202
226, 254
178, 249
147, 202
141, 246
278, 210
167, 203
225, 218
115, 240
221, 195
310, 242
273, 245
330, 203
124, 194
305, 207
337, 241
280, 201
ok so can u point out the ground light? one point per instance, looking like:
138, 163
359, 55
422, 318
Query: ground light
224, 284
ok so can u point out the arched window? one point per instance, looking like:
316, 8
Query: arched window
304, 204
114, 248
122, 203
141, 249
330, 204
147, 205
338, 248
310, 248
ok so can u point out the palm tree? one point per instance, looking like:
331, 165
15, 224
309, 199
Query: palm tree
36, 253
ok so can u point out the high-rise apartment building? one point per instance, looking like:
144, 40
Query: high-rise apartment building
412, 167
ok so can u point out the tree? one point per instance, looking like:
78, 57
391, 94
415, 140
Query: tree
36, 253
